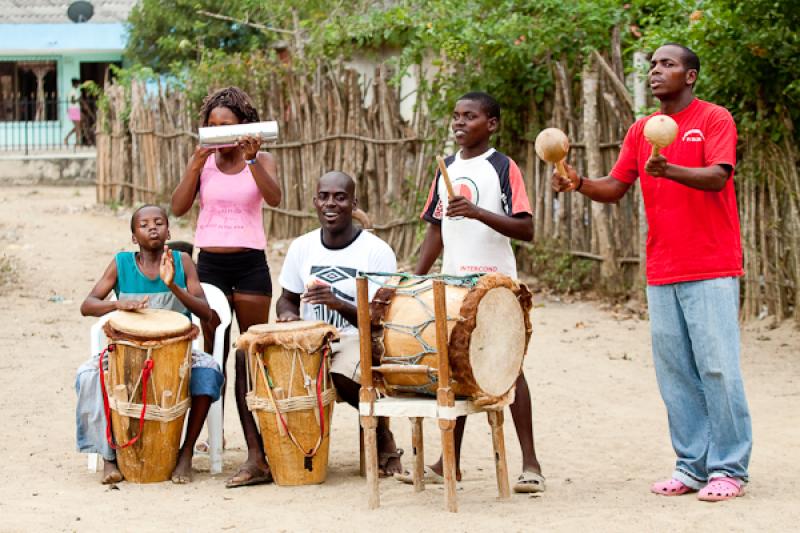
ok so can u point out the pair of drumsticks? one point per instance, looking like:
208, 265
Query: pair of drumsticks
552, 144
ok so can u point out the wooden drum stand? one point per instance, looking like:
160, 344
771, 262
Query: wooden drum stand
445, 408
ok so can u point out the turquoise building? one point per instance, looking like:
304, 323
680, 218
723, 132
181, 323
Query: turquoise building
41, 51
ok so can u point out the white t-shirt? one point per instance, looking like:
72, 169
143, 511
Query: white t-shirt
309, 259
493, 182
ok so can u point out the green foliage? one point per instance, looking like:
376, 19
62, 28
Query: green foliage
749, 52
166, 34
503, 47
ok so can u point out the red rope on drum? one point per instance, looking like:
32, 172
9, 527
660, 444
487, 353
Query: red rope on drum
146, 371
320, 376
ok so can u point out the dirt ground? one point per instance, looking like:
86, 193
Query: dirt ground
600, 426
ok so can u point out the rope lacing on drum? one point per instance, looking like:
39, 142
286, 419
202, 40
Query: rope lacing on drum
156, 413
467, 281
319, 396
410, 286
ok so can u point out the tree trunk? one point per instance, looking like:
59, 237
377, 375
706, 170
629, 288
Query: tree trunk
639, 104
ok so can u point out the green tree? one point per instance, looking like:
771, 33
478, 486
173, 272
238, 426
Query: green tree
165, 34
749, 51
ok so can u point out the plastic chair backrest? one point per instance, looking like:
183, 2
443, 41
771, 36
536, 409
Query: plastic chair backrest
220, 305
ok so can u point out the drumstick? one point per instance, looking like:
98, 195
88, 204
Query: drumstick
446, 177
660, 131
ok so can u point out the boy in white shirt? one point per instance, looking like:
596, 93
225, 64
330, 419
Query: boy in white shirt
474, 229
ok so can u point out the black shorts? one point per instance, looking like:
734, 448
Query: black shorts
245, 272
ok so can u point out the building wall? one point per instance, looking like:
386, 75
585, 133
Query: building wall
49, 169
365, 64
68, 45
68, 66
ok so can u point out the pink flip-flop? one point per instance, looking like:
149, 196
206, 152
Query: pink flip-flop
721, 489
670, 487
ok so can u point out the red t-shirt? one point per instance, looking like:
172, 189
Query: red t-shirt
693, 234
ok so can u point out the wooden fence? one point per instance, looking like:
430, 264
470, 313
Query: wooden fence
145, 138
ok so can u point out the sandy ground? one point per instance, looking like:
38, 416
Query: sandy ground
600, 426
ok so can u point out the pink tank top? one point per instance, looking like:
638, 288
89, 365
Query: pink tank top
230, 210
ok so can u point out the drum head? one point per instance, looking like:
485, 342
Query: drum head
301, 334
150, 323
497, 345
287, 327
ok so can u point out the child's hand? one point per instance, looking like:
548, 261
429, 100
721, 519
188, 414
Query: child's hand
132, 305
566, 183
250, 145
458, 206
167, 268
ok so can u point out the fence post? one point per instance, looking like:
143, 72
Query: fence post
639, 106
609, 271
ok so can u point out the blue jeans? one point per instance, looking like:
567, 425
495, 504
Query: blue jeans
695, 332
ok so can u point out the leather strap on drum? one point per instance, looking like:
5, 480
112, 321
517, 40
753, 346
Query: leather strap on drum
319, 400
155, 413
146, 371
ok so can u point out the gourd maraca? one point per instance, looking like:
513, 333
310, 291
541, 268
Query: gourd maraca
660, 131
552, 146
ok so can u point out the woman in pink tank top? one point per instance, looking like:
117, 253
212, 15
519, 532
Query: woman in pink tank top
233, 183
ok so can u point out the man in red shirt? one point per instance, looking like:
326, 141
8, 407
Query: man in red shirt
694, 259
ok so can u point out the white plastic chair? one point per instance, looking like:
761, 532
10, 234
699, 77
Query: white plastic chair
218, 303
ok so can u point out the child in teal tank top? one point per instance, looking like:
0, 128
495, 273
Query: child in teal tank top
159, 278
132, 284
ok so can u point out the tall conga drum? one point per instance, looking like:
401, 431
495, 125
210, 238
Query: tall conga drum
147, 388
291, 392
488, 327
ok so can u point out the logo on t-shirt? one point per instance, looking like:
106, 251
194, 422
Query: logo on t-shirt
333, 276
693, 136
467, 188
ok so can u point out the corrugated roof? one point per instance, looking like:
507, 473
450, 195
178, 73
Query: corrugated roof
55, 11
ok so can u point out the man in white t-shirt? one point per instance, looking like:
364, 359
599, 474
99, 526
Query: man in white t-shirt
319, 283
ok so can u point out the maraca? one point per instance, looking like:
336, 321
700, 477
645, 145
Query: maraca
660, 131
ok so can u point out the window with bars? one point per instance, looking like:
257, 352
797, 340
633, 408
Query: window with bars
28, 90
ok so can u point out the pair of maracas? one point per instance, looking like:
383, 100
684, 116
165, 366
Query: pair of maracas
552, 144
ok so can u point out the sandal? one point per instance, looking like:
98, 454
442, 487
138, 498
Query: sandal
721, 489
429, 476
670, 487
529, 482
256, 477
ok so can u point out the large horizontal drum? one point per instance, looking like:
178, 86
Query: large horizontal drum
147, 382
488, 328
292, 394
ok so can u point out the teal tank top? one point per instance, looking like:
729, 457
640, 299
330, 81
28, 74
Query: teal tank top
132, 284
